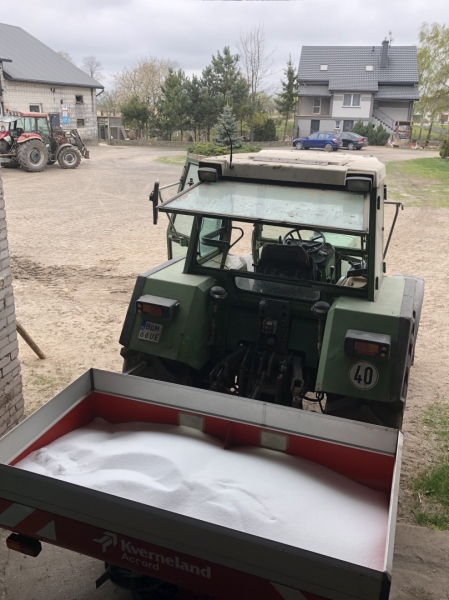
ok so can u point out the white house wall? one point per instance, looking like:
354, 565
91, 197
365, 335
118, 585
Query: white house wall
306, 107
355, 113
399, 111
19, 95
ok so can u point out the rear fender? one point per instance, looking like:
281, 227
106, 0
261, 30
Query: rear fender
25, 137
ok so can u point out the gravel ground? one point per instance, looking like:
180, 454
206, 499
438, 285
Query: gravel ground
79, 238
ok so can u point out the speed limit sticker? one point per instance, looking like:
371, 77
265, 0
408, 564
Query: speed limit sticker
363, 375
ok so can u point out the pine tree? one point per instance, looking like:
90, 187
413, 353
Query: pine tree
225, 85
286, 100
227, 127
173, 108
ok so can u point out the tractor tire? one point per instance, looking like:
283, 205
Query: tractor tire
69, 157
32, 156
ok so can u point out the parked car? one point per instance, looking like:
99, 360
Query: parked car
326, 140
353, 141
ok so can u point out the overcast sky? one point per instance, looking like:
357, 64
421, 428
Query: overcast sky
120, 32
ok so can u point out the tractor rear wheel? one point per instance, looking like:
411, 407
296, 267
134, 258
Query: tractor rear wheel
69, 157
32, 156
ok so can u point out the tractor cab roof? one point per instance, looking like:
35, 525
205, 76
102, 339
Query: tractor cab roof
294, 167
12, 116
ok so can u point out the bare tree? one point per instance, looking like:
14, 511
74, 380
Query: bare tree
256, 61
107, 103
92, 66
144, 80
65, 55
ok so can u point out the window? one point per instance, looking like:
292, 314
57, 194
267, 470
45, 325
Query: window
323, 67
79, 100
35, 108
337, 124
80, 122
316, 106
348, 125
369, 68
351, 100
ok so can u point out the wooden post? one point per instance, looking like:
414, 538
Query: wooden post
29, 340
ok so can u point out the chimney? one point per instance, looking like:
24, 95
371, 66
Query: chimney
384, 55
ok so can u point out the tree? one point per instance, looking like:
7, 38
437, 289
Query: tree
197, 105
144, 80
173, 109
433, 65
65, 55
107, 103
92, 66
286, 100
256, 60
135, 113
265, 132
226, 129
225, 85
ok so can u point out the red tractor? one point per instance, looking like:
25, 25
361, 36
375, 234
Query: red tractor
34, 140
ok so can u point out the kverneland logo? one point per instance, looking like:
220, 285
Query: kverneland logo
145, 558
109, 539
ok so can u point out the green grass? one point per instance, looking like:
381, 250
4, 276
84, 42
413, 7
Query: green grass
431, 486
435, 136
419, 182
177, 159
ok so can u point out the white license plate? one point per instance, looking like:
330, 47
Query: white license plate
150, 332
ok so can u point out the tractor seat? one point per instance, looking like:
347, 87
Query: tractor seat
288, 262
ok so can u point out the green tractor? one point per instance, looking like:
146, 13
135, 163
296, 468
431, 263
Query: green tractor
275, 287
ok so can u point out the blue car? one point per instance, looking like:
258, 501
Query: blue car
320, 140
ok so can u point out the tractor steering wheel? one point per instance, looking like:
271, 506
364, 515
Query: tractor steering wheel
314, 244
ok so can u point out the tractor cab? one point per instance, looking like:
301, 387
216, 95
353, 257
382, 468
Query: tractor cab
275, 288
22, 126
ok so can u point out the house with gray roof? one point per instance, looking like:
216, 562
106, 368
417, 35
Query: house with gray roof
340, 85
35, 78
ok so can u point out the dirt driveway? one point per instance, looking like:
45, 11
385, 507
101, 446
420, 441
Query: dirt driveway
79, 238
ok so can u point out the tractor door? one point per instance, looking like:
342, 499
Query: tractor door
43, 129
180, 226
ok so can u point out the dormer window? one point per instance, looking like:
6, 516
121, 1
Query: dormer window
369, 68
323, 67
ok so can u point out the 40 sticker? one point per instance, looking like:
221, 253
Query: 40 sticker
363, 375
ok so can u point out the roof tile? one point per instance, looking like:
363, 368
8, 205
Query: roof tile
34, 61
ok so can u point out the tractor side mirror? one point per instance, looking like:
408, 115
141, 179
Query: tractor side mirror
154, 199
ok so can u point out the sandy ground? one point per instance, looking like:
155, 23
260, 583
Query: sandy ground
79, 238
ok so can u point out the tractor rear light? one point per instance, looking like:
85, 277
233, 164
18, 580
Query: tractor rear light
23, 544
156, 306
365, 343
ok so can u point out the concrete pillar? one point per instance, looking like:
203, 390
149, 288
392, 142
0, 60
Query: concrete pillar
11, 397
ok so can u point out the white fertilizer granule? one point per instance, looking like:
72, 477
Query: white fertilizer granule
262, 492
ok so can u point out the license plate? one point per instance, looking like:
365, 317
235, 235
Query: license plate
150, 332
